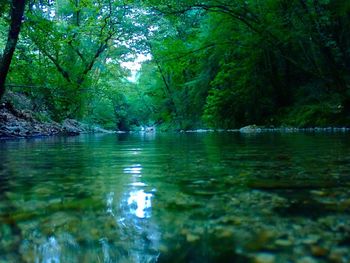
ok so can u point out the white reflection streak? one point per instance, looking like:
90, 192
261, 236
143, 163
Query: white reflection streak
105, 250
50, 251
141, 236
110, 203
138, 184
135, 169
140, 203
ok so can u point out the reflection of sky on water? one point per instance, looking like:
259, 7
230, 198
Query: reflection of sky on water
140, 203
50, 251
138, 184
133, 170
105, 250
62, 247
140, 236
109, 204
134, 236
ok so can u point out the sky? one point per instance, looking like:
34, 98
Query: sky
135, 65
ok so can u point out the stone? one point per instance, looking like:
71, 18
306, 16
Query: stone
192, 238
22, 124
318, 251
283, 242
250, 129
264, 258
318, 193
306, 260
71, 127
312, 239
15, 123
337, 255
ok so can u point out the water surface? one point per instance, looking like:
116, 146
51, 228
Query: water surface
211, 197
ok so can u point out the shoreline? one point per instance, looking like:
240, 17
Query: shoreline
22, 124
91, 129
249, 129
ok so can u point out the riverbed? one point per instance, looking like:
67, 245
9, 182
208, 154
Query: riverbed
176, 197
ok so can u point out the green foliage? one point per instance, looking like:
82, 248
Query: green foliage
103, 114
42, 117
249, 61
213, 65
318, 115
3, 33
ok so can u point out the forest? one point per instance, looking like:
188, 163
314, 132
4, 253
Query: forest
253, 97
178, 64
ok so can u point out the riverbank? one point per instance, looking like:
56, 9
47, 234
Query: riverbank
16, 123
263, 129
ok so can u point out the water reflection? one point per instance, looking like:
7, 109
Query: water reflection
50, 251
140, 203
110, 198
92, 200
135, 169
139, 234
105, 250
61, 247
138, 184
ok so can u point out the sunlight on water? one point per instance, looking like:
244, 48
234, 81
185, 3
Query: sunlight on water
50, 251
140, 203
109, 203
135, 169
105, 250
140, 234
138, 184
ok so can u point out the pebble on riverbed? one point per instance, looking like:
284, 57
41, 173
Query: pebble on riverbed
264, 234
264, 258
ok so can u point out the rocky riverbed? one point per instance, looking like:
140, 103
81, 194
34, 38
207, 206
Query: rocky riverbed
266, 228
253, 227
222, 198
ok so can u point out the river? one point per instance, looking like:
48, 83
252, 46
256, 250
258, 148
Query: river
208, 197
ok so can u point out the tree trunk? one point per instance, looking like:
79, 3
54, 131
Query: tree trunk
17, 11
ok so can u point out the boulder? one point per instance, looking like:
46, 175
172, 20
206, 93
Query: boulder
71, 127
250, 129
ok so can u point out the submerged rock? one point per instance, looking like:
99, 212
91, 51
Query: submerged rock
283, 242
307, 260
318, 251
264, 258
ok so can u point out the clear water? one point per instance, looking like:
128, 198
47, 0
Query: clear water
211, 197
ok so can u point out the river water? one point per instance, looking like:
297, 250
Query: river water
209, 197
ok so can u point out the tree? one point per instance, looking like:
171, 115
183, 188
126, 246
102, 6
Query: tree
16, 17
261, 61
214, 63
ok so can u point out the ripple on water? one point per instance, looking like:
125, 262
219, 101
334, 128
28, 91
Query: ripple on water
165, 198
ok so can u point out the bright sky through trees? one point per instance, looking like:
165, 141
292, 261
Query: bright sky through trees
210, 64
135, 66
